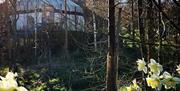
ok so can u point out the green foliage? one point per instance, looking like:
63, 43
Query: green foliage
37, 81
4, 70
128, 40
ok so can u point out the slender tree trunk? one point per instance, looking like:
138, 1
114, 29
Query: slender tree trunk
141, 29
160, 30
13, 27
111, 60
8, 25
142, 36
118, 45
14, 32
133, 30
94, 26
35, 33
150, 26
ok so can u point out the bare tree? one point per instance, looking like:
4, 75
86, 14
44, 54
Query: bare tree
111, 60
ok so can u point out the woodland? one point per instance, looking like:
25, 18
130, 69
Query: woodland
89, 45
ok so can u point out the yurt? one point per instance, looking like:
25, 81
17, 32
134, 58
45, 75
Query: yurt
36, 14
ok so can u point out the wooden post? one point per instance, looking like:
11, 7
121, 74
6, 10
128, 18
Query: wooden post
111, 60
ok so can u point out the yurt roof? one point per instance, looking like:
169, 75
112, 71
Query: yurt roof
56, 4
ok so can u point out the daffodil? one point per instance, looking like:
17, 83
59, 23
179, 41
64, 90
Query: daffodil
153, 81
9, 83
141, 65
134, 87
130, 88
178, 69
169, 81
11, 75
21, 89
155, 67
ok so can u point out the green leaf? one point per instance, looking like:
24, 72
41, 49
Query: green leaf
177, 79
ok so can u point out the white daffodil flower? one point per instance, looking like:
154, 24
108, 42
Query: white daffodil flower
21, 89
169, 81
11, 75
155, 67
141, 65
134, 87
178, 69
153, 81
2, 78
130, 88
9, 83
166, 75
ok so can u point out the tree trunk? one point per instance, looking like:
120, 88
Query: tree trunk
141, 29
118, 30
132, 25
160, 30
151, 32
111, 60
94, 26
